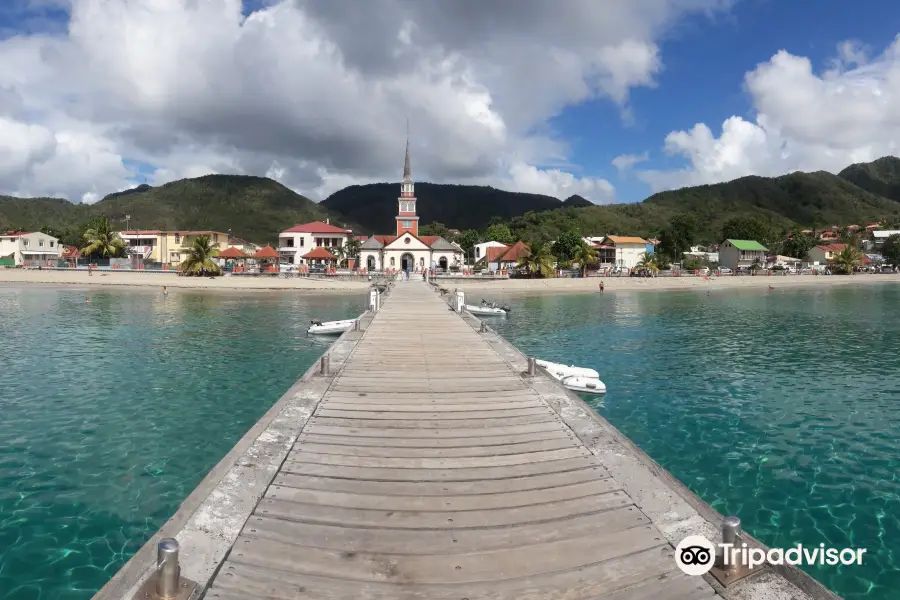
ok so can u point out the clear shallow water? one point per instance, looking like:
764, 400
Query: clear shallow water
111, 412
781, 407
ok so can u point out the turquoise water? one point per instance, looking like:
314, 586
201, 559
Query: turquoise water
780, 407
111, 412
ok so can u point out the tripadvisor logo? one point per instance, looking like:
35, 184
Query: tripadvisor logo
696, 555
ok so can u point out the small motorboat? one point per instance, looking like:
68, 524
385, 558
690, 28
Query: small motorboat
583, 385
560, 370
330, 327
487, 309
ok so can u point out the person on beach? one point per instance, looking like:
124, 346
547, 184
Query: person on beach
601, 287
165, 290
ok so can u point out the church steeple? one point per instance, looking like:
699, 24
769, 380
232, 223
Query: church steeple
406, 208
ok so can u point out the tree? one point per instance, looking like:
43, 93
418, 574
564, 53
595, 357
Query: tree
679, 235
846, 260
199, 259
891, 250
649, 262
499, 232
435, 229
351, 248
100, 240
749, 228
585, 256
467, 241
538, 262
798, 244
566, 245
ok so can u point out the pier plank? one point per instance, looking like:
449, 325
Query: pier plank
432, 470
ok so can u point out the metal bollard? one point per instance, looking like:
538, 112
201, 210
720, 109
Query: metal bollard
731, 534
532, 366
167, 570
324, 364
356, 325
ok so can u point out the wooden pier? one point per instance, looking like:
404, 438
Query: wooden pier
431, 468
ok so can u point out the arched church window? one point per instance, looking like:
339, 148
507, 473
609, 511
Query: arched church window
422, 261
392, 261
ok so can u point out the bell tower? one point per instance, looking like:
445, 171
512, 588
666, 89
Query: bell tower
406, 203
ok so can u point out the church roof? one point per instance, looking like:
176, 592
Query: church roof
371, 244
442, 244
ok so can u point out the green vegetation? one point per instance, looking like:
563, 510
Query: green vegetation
539, 262
100, 240
199, 259
846, 260
585, 256
257, 208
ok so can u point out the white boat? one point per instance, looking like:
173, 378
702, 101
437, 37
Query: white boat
584, 385
330, 327
486, 310
560, 370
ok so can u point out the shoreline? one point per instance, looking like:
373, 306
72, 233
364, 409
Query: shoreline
80, 278
590, 285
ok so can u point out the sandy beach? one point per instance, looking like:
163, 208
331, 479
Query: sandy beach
113, 278
534, 287
526, 287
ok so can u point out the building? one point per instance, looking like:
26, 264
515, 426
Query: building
735, 254
299, 240
168, 247
880, 236
406, 250
29, 248
825, 253
482, 248
624, 251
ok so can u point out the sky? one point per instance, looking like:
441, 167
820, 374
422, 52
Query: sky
613, 100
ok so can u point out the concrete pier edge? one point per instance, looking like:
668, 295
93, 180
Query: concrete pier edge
670, 504
209, 520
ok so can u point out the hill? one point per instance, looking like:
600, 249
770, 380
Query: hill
817, 199
374, 206
254, 208
881, 177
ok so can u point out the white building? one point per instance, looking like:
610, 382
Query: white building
626, 251
407, 250
880, 236
481, 249
293, 243
30, 249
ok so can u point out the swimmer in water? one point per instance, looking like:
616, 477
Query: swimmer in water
87, 300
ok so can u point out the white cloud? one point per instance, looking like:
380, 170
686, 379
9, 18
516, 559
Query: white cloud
804, 121
318, 95
625, 162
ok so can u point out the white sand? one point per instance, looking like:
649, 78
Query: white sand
146, 279
533, 287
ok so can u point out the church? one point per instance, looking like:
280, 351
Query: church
407, 250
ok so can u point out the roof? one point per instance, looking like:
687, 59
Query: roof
519, 250
70, 251
494, 253
16, 233
747, 245
885, 233
832, 247
267, 252
623, 239
371, 244
232, 252
442, 244
320, 253
316, 227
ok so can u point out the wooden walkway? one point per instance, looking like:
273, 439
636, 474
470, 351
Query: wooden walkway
431, 469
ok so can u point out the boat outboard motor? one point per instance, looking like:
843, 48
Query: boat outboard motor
506, 307
316, 322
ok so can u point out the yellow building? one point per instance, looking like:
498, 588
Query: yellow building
167, 247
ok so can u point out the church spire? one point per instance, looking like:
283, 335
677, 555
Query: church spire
407, 171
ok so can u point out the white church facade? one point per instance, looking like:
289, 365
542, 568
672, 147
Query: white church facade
406, 250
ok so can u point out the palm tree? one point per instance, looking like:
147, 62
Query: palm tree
846, 260
584, 256
339, 253
199, 259
539, 262
649, 262
101, 240
351, 248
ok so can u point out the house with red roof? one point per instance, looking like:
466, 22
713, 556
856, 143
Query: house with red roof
299, 240
824, 253
406, 250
